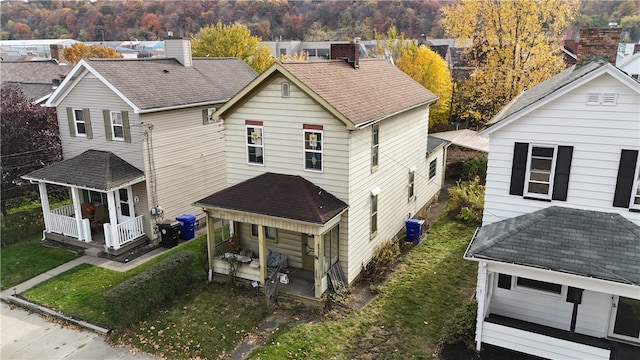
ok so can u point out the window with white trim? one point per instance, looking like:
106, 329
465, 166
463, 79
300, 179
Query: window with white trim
255, 145
433, 169
313, 150
375, 132
374, 214
540, 170
635, 196
79, 121
270, 233
117, 126
411, 184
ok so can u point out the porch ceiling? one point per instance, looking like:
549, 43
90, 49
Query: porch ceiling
278, 195
582, 242
93, 169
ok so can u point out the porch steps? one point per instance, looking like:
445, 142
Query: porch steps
338, 280
93, 251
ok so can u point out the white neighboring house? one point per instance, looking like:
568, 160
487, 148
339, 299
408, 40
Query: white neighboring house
631, 65
559, 249
326, 160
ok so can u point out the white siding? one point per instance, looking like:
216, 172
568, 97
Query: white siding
597, 134
402, 145
288, 243
91, 93
189, 159
553, 310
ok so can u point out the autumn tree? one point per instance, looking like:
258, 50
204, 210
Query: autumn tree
29, 140
423, 65
519, 42
231, 41
78, 51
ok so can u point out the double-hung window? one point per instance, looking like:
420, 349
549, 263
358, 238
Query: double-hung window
411, 184
375, 130
541, 163
79, 121
313, 147
117, 126
373, 216
255, 142
433, 169
270, 233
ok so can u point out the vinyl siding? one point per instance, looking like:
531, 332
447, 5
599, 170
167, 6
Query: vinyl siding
597, 134
189, 159
402, 145
283, 119
91, 93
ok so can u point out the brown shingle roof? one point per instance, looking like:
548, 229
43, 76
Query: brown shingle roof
374, 91
284, 196
160, 83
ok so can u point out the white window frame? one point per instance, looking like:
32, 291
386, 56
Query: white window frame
254, 145
76, 122
373, 218
114, 125
528, 179
285, 90
306, 150
375, 147
635, 190
267, 229
524, 288
411, 185
433, 162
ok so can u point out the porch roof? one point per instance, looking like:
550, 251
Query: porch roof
93, 169
279, 195
588, 243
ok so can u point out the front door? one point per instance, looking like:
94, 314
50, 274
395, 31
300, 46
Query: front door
308, 253
124, 205
625, 319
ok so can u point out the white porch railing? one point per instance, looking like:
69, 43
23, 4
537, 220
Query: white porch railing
124, 232
62, 224
66, 210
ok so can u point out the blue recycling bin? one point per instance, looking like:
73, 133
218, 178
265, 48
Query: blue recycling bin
187, 226
414, 230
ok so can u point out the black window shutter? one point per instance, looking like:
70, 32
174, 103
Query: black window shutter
518, 168
561, 176
626, 176
504, 281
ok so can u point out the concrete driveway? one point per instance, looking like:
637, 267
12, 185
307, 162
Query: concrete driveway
25, 335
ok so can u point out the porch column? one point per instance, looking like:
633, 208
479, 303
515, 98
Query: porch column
318, 264
112, 237
75, 199
44, 201
211, 242
481, 297
262, 253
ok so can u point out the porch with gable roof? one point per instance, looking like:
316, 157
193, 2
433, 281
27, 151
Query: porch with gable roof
102, 212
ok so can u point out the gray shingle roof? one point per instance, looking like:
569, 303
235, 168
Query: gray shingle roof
284, 196
93, 169
434, 143
465, 138
546, 88
588, 243
374, 91
34, 78
160, 82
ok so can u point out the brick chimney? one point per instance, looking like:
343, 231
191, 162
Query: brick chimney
57, 52
349, 52
602, 42
178, 48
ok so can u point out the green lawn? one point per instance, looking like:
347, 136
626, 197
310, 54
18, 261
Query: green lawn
25, 259
406, 320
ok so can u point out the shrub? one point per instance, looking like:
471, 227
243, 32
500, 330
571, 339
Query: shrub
133, 299
386, 256
475, 167
461, 326
466, 201
24, 221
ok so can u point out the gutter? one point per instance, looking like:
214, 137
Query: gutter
365, 124
468, 246
177, 107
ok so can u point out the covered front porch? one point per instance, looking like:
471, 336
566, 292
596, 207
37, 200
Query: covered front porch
282, 237
104, 191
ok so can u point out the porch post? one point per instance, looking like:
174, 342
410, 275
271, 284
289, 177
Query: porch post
318, 264
262, 254
44, 201
211, 242
113, 222
481, 297
75, 198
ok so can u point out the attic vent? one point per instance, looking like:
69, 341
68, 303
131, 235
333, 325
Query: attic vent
593, 99
284, 89
609, 99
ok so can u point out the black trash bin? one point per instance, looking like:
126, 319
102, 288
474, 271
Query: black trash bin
188, 226
169, 231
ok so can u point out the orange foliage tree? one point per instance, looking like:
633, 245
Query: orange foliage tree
79, 51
